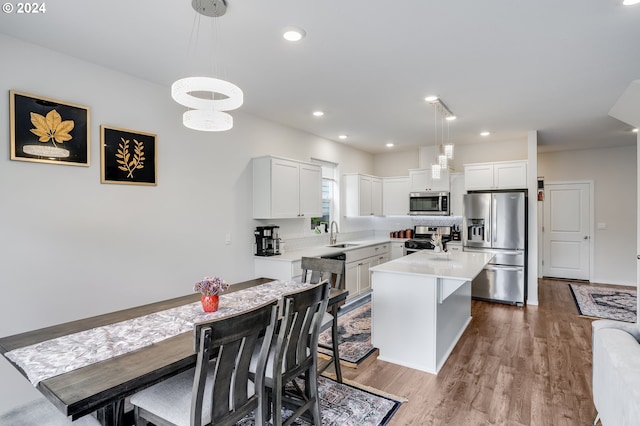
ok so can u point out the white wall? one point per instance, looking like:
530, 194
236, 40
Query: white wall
613, 171
395, 163
73, 247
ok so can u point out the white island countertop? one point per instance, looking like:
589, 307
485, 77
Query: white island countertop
456, 265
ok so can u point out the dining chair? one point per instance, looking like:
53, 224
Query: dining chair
294, 355
41, 412
220, 390
314, 270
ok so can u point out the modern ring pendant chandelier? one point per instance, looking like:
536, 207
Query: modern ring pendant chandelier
207, 114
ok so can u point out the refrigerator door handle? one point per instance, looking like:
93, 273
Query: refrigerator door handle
498, 251
503, 268
494, 218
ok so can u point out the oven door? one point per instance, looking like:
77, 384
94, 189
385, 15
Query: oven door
428, 203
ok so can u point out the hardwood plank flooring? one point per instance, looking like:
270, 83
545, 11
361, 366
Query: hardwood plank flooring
513, 366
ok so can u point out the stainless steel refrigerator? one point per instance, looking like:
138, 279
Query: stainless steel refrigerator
495, 222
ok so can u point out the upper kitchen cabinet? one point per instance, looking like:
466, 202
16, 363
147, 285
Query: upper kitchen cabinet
395, 195
284, 188
363, 195
502, 175
421, 181
456, 205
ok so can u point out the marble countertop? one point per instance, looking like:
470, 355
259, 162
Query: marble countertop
454, 265
317, 251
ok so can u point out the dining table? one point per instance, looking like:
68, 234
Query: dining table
103, 386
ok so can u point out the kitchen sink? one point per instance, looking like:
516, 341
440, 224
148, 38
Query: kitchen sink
343, 245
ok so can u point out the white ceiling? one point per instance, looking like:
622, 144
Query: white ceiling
507, 66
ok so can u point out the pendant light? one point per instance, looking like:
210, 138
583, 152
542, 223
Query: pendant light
435, 168
207, 114
443, 151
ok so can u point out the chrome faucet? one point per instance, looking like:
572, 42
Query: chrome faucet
333, 237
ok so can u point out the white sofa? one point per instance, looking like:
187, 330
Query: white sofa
616, 372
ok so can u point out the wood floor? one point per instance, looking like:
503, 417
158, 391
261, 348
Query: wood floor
512, 366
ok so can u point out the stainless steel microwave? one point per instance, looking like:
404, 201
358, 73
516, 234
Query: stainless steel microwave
429, 203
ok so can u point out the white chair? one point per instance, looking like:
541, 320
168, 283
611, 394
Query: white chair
41, 412
616, 372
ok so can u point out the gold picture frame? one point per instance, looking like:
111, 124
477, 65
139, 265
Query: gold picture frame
46, 130
127, 157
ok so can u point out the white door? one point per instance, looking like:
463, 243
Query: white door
567, 227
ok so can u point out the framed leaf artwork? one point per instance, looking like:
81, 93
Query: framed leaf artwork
48, 131
127, 156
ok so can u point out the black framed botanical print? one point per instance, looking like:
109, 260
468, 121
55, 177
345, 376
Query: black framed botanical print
127, 156
48, 131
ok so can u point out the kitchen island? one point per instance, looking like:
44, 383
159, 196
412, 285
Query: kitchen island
421, 305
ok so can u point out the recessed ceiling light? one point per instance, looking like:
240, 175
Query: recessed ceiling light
636, 129
293, 34
318, 113
485, 133
630, 2
431, 98
450, 117
342, 136
389, 145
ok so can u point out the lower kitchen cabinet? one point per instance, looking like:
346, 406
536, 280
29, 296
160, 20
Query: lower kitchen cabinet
397, 249
284, 270
357, 277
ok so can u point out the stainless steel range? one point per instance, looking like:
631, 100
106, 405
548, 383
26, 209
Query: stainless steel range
422, 238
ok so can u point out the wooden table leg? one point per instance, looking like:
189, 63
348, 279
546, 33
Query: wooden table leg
112, 414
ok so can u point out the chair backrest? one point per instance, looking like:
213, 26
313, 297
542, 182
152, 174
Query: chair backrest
316, 269
232, 341
296, 345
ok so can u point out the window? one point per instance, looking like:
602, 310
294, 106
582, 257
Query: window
329, 194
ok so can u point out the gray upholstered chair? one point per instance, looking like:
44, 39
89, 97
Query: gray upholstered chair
219, 391
315, 270
294, 355
616, 372
41, 412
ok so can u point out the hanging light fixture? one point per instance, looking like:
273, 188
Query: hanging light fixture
435, 168
443, 151
207, 114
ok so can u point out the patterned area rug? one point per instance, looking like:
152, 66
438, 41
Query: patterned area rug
354, 333
605, 302
345, 405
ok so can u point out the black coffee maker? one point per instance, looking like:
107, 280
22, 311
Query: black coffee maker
267, 241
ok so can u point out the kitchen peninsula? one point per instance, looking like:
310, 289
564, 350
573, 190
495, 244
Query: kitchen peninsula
421, 305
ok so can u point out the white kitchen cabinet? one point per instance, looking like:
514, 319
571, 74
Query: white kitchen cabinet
397, 249
456, 203
284, 188
363, 195
500, 175
278, 269
357, 277
510, 175
421, 180
395, 195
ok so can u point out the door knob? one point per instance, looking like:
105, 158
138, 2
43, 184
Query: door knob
586, 237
